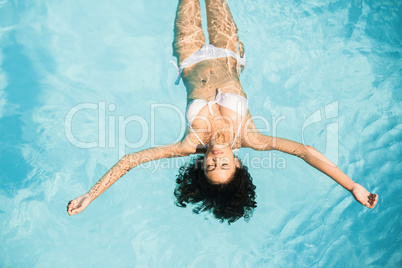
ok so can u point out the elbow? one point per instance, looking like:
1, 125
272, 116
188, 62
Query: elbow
127, 162
125, 159
303, 151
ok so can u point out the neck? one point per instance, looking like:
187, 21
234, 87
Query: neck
221, 138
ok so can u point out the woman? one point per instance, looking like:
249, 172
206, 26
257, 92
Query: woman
218, 124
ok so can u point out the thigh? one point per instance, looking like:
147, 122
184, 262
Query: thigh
222, 29
188, 34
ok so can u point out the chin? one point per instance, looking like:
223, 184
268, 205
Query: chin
225, 148
219, 146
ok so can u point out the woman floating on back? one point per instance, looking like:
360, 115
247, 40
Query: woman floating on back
219, 123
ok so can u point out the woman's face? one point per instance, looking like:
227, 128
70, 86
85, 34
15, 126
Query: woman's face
219, 164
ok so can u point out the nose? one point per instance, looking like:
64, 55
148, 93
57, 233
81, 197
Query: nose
219, 159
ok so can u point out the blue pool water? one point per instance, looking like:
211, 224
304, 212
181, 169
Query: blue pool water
79, 81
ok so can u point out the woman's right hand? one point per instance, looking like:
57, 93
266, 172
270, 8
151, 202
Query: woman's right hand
79, 204
363, 196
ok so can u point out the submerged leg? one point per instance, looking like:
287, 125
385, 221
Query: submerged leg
222, 29
188, 34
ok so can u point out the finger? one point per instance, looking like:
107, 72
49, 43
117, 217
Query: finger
71, 210
373, 198
76, 210
373, 203
70, 206
369, 204
72, 203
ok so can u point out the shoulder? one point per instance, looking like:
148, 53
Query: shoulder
257, 141
253, 138
186, 146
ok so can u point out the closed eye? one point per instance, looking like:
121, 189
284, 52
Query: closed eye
210, 168
225, 166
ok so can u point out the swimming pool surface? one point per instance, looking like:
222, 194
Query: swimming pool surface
80, 82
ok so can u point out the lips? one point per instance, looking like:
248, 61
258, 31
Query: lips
217, 152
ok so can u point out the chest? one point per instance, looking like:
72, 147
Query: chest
220, 117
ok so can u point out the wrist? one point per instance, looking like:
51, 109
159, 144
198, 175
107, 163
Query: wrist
351, 186
91, 195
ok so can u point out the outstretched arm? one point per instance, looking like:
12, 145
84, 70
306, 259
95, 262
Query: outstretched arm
126, 163
257, 141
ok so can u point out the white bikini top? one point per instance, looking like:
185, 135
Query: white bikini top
234, 102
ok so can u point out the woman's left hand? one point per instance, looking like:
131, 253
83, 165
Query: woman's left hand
363, 196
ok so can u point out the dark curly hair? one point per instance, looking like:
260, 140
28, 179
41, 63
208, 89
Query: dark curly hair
228, 201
